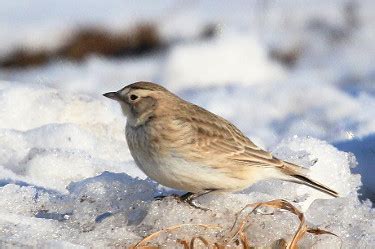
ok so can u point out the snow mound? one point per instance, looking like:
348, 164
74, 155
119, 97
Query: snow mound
223, 60
55, 137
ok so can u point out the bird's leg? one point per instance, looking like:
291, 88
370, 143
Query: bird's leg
161, 197
189, 198
186, 196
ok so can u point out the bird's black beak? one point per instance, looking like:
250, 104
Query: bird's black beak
113, 95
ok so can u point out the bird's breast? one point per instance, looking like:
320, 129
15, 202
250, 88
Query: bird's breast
154, 153
147, 149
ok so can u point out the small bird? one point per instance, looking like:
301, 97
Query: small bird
183, 146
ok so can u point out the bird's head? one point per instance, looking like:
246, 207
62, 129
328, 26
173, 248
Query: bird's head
140, 101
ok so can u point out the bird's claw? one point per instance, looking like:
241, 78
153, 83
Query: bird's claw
161, 197
188, 198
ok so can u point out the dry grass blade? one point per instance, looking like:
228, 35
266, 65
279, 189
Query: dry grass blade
237, 232
218, 245
302, 228
169, 229
203, 240
234, 233
145, 247
318, 231
185, 243
244, 240
280, 204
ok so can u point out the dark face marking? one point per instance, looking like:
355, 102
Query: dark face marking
143, 105
135, 103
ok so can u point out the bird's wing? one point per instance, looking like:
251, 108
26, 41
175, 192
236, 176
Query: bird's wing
214, 138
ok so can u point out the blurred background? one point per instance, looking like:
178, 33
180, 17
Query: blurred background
276, 69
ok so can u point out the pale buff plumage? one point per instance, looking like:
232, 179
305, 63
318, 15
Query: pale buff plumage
183, 146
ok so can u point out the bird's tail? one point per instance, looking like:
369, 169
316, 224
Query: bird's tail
298, 175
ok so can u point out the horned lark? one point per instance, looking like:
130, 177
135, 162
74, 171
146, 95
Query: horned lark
183, 146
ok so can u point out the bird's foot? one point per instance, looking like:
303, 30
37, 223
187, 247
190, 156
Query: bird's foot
189, 198
161, 197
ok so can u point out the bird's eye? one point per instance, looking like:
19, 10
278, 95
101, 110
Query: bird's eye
133, 97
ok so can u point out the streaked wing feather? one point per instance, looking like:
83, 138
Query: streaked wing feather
219, 137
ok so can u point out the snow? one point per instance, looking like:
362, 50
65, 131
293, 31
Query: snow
113, 209
67, 179
240, 59
363, 148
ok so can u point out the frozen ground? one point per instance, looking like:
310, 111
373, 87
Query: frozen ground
67, 179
